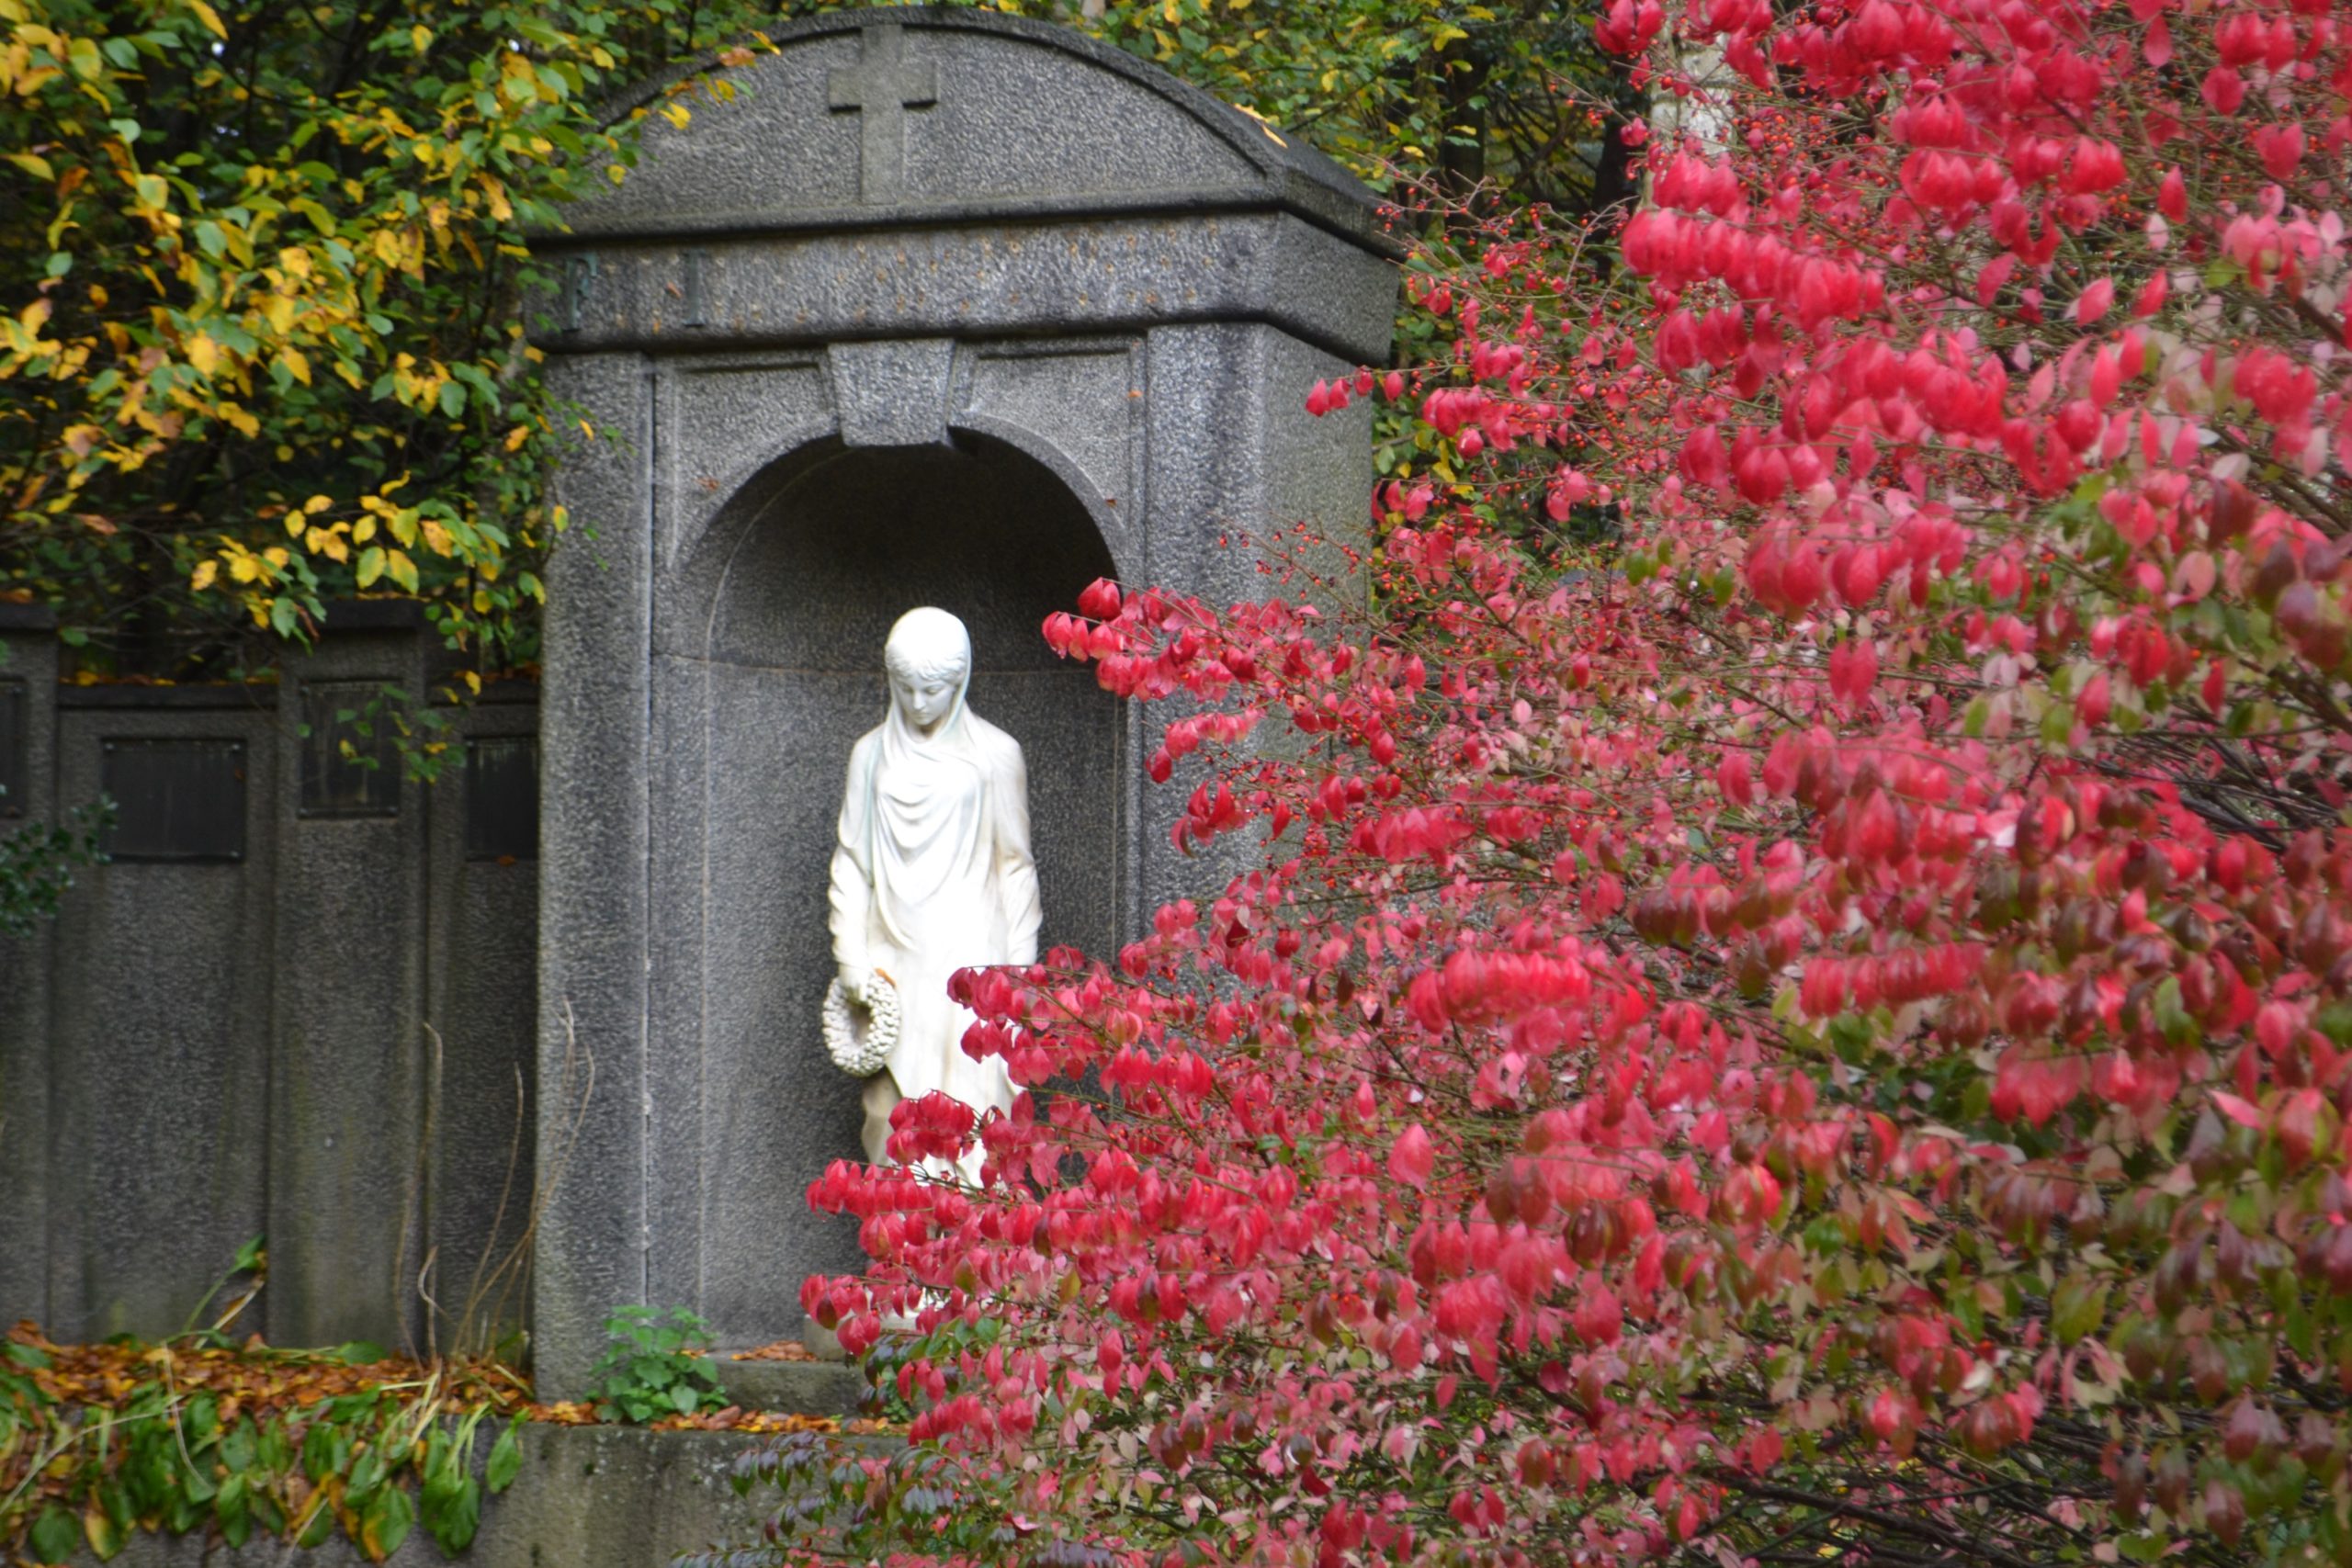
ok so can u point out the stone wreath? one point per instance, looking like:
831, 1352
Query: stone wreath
859, 1039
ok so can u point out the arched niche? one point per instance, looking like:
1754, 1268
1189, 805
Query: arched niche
767, 668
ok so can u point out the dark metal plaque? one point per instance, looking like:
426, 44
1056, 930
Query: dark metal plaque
176, 800
502, 797
15, 743
350, 765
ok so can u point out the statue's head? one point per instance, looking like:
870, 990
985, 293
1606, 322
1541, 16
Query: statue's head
928, 659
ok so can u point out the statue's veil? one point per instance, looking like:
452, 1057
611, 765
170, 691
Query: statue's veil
927, 802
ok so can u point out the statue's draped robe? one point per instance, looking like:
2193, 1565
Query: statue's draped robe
932, 874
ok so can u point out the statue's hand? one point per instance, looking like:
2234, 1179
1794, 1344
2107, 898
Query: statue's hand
855, 982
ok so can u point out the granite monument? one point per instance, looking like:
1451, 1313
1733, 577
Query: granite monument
936, 307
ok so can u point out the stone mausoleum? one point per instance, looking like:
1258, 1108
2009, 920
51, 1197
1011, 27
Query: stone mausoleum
935, 307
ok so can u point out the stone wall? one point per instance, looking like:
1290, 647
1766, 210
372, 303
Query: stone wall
298, 1002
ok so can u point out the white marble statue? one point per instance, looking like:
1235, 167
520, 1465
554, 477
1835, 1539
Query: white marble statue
932, 870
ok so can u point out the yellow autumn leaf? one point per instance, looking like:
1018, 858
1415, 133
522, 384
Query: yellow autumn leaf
202, 353
207, 572
208, 17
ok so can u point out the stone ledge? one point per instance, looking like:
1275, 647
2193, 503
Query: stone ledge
586, 1497
806, 1388
259, 697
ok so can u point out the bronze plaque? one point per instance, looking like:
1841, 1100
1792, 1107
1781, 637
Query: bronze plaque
180, 801
502, 797
351, 766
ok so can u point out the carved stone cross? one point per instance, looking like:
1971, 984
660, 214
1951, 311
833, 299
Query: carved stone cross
881, 87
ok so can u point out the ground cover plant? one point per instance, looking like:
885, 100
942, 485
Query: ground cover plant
1786, 996
203, 1433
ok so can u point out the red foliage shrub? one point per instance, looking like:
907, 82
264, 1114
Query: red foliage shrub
1811, 1025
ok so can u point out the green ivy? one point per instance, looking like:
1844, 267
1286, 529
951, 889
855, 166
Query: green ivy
37, 863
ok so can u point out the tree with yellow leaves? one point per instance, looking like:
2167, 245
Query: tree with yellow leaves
262, 268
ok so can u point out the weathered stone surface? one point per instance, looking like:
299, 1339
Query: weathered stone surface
481, 1084
892, 393
595, 929
348, 1053
940, 306
29, 659
811, 1388
159, 1069
1015, 119
316, 1039
1083, 273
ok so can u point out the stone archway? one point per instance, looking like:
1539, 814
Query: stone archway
799, 581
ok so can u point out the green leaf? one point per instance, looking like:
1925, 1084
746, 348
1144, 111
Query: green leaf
386, 1521
104, 1534
2076, 1308
320, 1526
505, 1460
242, 1445
54, 1535
371, 565
230, 1508
686, 1397
453, 1515
366, 1476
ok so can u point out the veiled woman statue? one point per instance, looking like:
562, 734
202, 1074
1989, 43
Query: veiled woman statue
932, 871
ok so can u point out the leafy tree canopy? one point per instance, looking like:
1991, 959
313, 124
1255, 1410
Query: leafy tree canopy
261, 340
